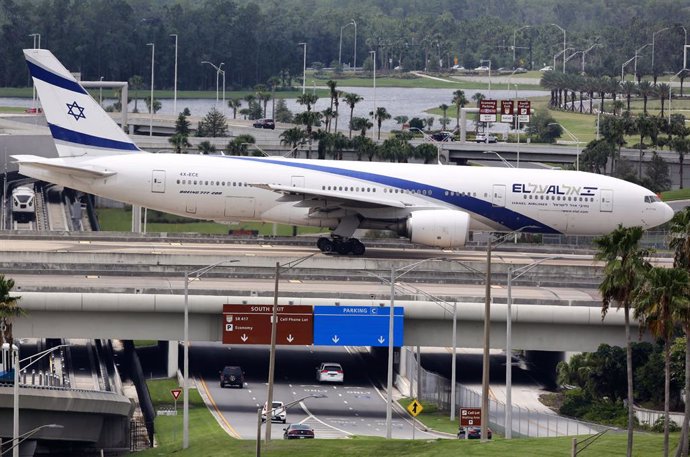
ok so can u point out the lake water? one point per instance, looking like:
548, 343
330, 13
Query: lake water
410, 102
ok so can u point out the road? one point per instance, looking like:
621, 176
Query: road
357, 407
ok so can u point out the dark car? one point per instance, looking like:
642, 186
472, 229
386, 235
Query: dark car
442, 136
298, 431
232, 376
473, 433
265, 124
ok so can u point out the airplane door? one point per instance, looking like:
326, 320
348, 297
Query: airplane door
297, 181
606, 200
498, 195
158, 181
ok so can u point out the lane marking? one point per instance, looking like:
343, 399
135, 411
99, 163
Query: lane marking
309, 414
231, 431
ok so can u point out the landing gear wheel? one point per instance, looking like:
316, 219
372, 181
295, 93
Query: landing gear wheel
324, 245
343, 247
357, 247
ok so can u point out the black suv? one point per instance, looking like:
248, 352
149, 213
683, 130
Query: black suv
232, 376
265, 124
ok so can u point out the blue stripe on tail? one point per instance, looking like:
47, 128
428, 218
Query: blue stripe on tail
83, 139
56, 80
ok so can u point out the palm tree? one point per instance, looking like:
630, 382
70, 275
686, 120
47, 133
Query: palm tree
351, 100
662, 91
444, 108
477, 97
234, 104
9, 309
362, 124
628, 88
680, 243
293, 137
662, 293
307, 99
645, 89
137, 82
625, 262
682, 147
459, 100
380, 115
273, 82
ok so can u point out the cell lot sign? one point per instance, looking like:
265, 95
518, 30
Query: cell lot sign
251, 324
470, 417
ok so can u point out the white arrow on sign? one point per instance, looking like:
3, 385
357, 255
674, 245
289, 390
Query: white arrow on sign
381, 339
244, 338
290, 338
335, 339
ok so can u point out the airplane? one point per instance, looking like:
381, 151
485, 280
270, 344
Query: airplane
432, 205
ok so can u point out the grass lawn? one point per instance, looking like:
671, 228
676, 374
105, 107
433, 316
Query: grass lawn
678, 194
207, 439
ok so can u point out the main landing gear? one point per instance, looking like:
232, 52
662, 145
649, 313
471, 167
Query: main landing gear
341, 246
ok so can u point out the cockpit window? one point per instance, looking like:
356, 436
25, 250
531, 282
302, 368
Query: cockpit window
651, 199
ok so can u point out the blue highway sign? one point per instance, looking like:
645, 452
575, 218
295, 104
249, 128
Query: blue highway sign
356, 325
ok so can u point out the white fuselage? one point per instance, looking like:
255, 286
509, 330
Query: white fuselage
227, 188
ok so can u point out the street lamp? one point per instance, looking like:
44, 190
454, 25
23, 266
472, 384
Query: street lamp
575, 140
269, 415
218, 72
196, 274
16, 365
636, 54
274, 330
584, 53
340, 49
562, 30
373, 58
304, 66
175, 79
514, 33
558, 54
100, 92
509, 341
624, 65
653, 37
35, 36
153, 60
670, 93
25, 436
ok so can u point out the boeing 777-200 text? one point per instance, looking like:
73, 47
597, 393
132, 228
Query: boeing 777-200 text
434, 205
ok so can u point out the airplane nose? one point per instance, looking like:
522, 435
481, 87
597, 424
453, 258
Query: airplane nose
668, 213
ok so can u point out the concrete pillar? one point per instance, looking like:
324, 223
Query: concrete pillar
136, 219
173, 355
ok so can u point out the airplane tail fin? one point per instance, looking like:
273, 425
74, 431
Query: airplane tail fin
80, 127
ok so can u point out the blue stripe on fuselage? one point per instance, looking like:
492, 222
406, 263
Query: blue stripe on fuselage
83, 139
51, 78
501, 215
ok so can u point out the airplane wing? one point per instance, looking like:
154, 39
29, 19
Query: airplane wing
81, 171
317, 197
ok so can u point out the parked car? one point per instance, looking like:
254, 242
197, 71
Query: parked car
232, 376
485, 138
442, 136
278, 413
330, 372
473, 433
298, 431
482, 68
265, 124
457, 68
546, 68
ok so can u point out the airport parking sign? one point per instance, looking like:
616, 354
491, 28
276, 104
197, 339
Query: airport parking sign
487, 110
507, 111
251, 324
524, 110
357, 325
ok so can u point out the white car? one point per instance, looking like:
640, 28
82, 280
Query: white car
457, 67
278, 412
546, 68
482, 68
330, 372
485, 138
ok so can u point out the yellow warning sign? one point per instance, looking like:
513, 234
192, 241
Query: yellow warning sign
415, 408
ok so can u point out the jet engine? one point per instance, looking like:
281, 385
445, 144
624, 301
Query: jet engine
443, 228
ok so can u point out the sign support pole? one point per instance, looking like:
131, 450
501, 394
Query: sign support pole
272, 358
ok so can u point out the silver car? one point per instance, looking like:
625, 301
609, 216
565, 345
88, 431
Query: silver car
330, 372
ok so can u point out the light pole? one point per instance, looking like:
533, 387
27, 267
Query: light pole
513, 273
354, 59
584, 53
482, 62
514, 34
575, 140
16, 365
218, 70
653, 38
269, 415
175, 79
558, 54
304, 67
373, 61
340, 49
562, 30
637, 51
196, 274
670, 93
153, 60
624, 65
274, 331
25, 436
37, 38
100, 92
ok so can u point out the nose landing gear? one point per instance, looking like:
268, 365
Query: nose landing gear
341, 246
